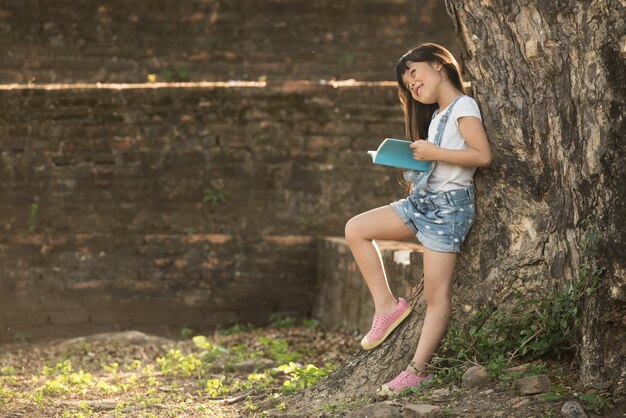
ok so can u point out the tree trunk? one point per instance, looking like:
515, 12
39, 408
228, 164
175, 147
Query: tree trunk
549, 77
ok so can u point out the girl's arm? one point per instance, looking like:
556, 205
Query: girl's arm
477, 154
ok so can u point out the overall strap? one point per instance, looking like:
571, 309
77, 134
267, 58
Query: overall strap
443, 120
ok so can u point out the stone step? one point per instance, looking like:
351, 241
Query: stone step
342, 298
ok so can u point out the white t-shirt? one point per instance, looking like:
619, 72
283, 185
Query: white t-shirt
446, 176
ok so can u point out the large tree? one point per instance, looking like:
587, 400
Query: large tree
549, 77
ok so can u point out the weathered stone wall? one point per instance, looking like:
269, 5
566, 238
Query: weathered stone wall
155, 208
145, 208
199, 40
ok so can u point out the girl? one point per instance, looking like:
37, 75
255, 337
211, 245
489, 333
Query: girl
440, 206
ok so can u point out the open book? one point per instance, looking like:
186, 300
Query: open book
397, 153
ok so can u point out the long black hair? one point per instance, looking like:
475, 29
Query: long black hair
417, 115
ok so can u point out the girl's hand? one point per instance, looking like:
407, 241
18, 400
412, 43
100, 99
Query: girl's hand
424, 150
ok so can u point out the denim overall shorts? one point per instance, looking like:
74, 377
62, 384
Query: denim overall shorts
440, 221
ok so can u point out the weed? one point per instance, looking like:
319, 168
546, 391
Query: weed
302, 376
7, 371
447, 411
531, 328
210, 351
21, 336
594, 402
236, 328
278, 320
178, 73
186, 332
277, 348
311, 323
176, 364
345, 60
214, 196
32, 220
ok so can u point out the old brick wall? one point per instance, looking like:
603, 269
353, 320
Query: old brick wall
156, 207
144, 208
211, 40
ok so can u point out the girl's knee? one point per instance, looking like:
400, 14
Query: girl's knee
352, 230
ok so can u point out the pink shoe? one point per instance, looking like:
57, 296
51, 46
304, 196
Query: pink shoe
383, 324
405, 379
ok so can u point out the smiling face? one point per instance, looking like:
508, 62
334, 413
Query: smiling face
423, 79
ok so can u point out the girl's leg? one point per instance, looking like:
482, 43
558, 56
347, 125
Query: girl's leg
438, 269
361, 230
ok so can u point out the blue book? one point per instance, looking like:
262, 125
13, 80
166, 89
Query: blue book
397, 153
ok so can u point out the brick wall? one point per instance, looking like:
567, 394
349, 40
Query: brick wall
193, 40
170, 207
201, 205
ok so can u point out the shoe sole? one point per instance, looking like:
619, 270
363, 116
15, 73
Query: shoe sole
373, 344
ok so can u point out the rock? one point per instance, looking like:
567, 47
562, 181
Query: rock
119, 339
385, 409
440, 393
474, 377
514, 401
520, 368
533, 384
486, 392
522, 403
572, 409
413, 410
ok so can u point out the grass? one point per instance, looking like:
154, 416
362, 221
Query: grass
199, 375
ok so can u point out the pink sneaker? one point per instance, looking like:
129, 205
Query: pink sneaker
405, 379
383, 324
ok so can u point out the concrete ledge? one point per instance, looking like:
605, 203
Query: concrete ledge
342, 300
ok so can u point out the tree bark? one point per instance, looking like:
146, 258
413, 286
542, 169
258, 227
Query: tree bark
550, 79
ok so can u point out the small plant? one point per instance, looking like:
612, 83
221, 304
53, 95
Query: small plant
278, 350
557, 392
236, 328
302, 376
345, 60
311, 323
594, 402
210, 351
278, 320
215, 387
175, 363
186, 332
32, 220
214, 196
7, 371
178, 73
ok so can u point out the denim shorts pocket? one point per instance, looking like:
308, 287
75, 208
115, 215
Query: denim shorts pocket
462, 200
445, 213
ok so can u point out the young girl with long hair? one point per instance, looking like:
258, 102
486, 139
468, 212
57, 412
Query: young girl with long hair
446, 128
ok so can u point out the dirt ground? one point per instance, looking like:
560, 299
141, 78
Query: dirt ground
134, 374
